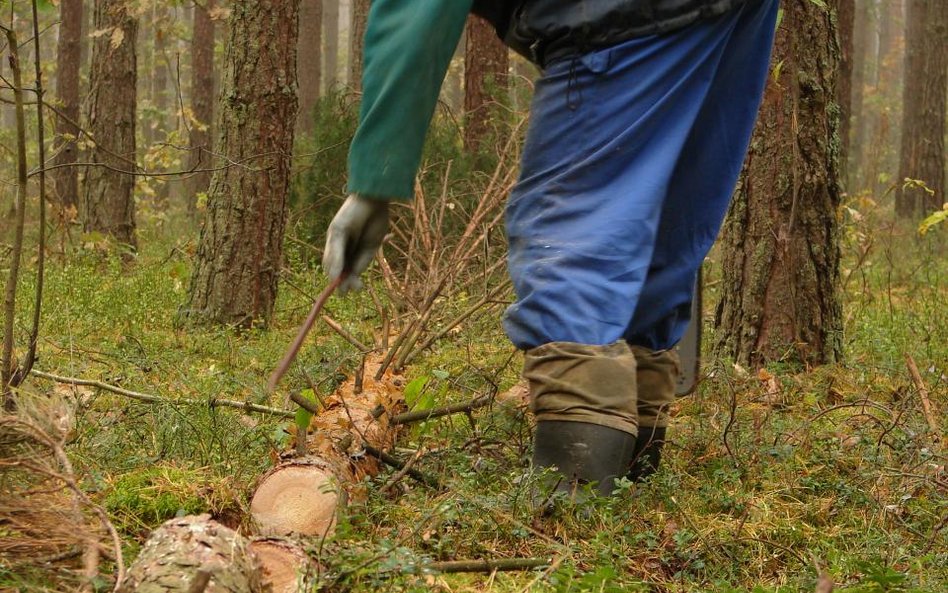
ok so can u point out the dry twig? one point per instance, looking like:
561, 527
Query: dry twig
422, 415
402, 472
486, 565
923, 395
387, 459
154, 399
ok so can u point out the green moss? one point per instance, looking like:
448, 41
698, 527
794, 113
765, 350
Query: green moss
148, 496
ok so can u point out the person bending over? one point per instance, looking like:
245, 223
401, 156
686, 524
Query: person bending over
638, 129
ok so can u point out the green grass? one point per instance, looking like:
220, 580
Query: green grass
760, 489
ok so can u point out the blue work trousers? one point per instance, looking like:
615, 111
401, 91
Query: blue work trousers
630, 161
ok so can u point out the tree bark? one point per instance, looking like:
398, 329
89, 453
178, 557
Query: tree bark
357, 21
66, 179
309, 63
331, 46
862, 47
781, 257
85, 41
146, 65
240, 250
882, 159
7, 110
201, 130
923, 109
485, 77
160, 71
108, 201
183, 552
454, 81
846, 22
160, 78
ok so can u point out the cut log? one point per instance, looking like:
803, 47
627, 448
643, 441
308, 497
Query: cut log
286, 567
302, 495
298, 497
182, 551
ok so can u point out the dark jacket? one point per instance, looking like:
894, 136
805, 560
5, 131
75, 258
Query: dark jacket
546, 30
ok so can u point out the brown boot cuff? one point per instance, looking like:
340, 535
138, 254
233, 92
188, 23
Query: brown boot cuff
656, 375
583, 383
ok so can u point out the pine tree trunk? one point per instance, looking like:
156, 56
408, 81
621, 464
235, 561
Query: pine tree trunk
923, 120
454, 81
844, 90
85, 40
485, 73
66, 179
862, 28
108, 202
159, 90
357, 21
309, 63
159, 74
202, 103
883, 142
331, 46
146, 65
781, 257
240, 250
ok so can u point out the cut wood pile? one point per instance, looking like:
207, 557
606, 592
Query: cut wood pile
294, 503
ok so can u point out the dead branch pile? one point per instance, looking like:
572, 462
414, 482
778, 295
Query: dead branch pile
47, 523
444, 250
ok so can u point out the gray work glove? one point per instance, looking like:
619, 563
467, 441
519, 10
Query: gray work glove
355, 235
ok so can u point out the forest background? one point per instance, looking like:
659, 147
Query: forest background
162, 222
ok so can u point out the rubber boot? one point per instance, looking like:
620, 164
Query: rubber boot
583, 453
648, 452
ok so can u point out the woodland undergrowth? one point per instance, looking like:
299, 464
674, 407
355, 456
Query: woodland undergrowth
777, 479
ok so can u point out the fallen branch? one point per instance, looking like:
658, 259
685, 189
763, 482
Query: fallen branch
422, 415
402, 472
456, 321
486, 565
387, 459
344, 334
310, 406
154, 399
923, 395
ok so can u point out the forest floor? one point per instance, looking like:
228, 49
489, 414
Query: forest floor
776, 480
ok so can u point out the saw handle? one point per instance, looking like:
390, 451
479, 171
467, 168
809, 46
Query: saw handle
294, 348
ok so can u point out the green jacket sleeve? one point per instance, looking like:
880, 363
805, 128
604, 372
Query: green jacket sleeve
408, 47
